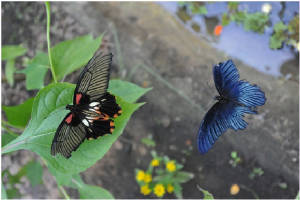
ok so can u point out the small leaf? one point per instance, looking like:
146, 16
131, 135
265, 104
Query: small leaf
7, 138
225, 19
89, 191
178, 190
149, 142
9, 71
128, 91
207, 195
19, 115
10, 52
3, 192
67, 56
94, 192
34, 172
233, 5
233, 154
35, 71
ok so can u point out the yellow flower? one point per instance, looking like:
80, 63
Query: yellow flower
145, 190
147, 178
234, 190
140, 175
155, 162
159, 190
170, 188
171, 167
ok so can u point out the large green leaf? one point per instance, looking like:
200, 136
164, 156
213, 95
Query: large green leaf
9, 71
19, 115
47, 113
36, 70
129, 91
67, 56
10, 52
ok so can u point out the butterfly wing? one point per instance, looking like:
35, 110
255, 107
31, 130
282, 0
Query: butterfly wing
225, 75
93, 80
227, 82
69, 135
218, 119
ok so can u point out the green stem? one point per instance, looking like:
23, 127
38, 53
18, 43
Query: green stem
64, 192
47, 4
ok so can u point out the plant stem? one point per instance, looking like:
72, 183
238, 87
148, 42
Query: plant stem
47, 4
64, 192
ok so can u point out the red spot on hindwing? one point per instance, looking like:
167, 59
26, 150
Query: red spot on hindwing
78, 97
69, 118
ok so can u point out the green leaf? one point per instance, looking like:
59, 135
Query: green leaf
182, 177
128, 91
233, 5
13, 193
35, 71
7, 138
149, 142
10, 52
207, 195
256, 22
89, 191
201, 10
9, 71
178, 190
297, 197
3, 192
225, 19
34, 172
47, 113
233, 154
94, 192
19, 115
68, 56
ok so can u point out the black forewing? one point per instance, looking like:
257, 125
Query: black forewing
93, 80
68, 137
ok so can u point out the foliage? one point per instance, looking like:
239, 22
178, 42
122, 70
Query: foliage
32, 170
257, 171
206, 195
148, 141
41, 115
9, 54
166, 177
235, 159
257, 22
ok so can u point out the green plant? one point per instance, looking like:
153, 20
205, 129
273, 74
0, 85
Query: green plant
9, 54
162, 176
257, 171
38, 117
235, 159
148, 141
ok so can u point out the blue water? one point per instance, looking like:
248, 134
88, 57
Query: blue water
250, 47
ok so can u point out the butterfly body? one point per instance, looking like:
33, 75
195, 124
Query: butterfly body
93, 109
236, 98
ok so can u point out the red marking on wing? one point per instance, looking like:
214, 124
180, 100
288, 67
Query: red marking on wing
69, 118
78, 97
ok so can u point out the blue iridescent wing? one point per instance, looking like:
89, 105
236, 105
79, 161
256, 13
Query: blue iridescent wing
217, 120
227, 82
225, 75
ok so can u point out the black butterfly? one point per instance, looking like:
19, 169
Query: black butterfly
237, 97
92, 110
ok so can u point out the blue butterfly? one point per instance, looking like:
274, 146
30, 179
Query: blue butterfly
237, 97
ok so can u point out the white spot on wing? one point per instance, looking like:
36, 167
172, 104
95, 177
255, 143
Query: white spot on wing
94, 104
85, 122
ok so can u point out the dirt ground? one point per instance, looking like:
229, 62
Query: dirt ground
152, 49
